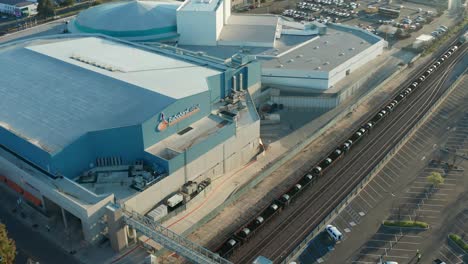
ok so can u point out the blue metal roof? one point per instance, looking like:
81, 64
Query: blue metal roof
52, 103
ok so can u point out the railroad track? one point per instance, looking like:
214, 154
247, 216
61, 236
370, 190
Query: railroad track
307, 211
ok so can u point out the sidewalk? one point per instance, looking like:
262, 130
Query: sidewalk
50, 230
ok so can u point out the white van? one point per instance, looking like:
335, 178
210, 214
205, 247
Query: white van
334, 232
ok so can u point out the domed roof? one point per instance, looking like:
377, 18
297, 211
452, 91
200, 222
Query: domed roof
138, 20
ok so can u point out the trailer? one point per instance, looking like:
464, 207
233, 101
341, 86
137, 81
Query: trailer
158, 213
175, 200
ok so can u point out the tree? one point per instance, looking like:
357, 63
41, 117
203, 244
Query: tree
435, 179
68, 2
7, 247
45, 8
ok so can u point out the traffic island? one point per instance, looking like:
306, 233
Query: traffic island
406, 224
459, 242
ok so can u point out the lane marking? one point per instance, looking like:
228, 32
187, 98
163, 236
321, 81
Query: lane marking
364, 190
375, 181
363, 254
399, 242
421, 216
380, 177
368, 204
390, 234
370, 186
430, 199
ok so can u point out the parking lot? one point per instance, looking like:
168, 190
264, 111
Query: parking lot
452, 254
401, 191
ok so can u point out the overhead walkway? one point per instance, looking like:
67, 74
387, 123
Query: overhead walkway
171, 240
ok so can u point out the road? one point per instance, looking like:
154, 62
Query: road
283, 233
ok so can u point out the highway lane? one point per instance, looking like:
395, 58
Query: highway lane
278, 245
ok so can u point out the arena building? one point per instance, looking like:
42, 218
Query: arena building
302, 56
90, 120
134, 20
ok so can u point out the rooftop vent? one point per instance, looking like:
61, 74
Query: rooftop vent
299, 56
94, 63
185, 130
291, 60
351, 48
326, 63
326, 42
316, 47
362, 42
318, 68
341, 54
280, 66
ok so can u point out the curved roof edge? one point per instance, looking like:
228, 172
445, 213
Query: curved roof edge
149, 34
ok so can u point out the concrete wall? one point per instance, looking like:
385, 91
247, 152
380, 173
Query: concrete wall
267, 44
230, 155
227, 6
210, 149
326, 102
197, 27
295, 78
219, 19
144, 201
356, 62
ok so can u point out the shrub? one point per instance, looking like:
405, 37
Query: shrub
459, 241
406, 224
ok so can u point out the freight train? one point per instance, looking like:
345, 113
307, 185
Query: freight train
248, 230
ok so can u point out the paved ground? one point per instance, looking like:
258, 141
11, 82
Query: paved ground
29, 242
400, 191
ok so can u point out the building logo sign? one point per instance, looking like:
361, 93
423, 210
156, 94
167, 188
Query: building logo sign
165, 122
